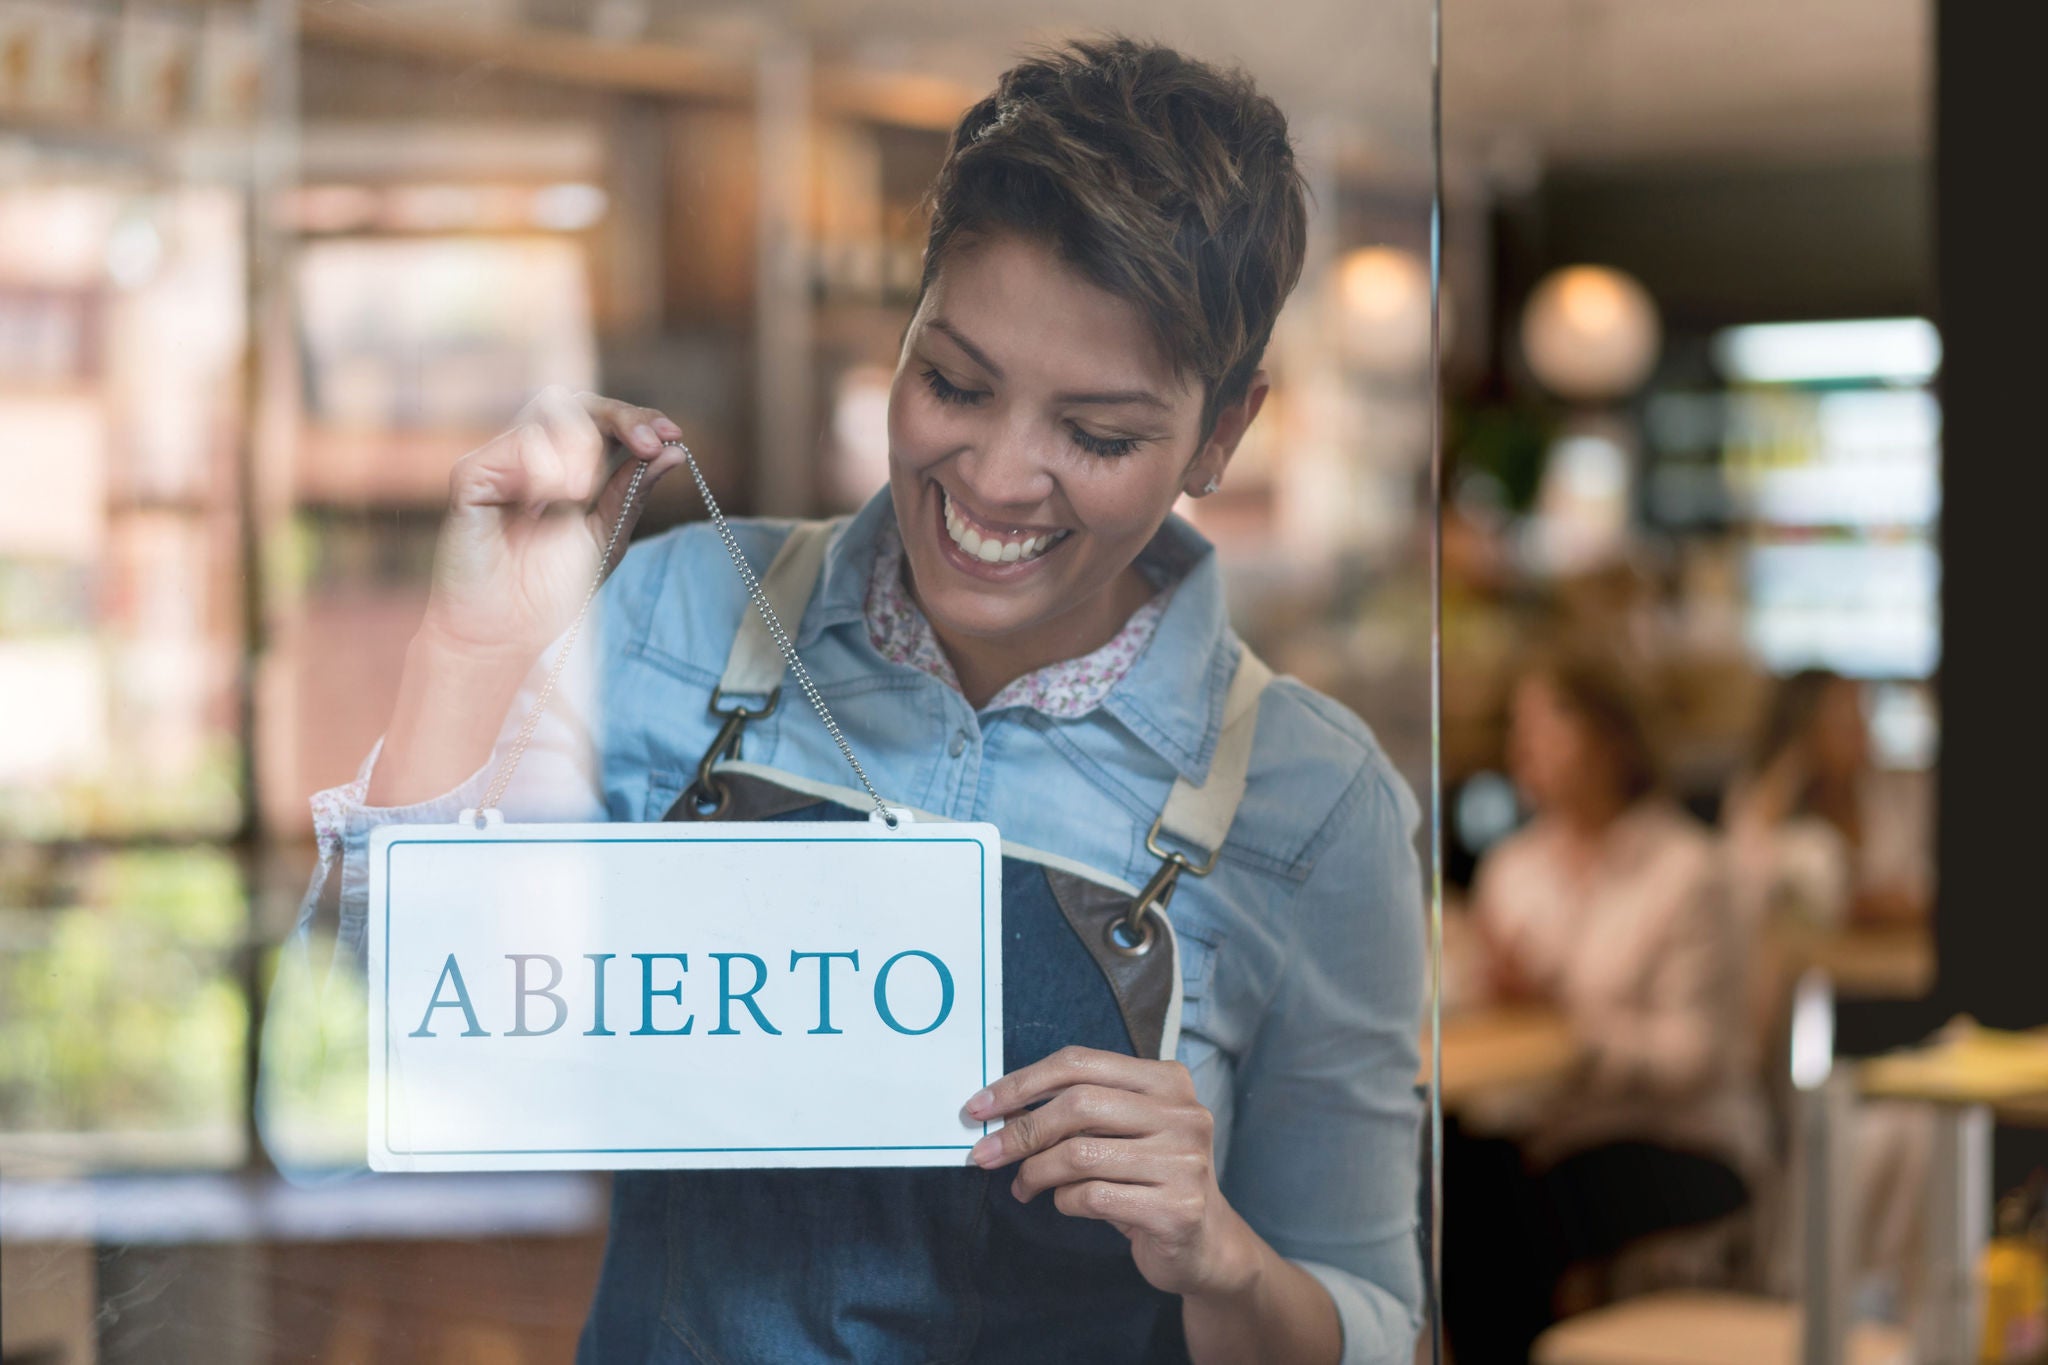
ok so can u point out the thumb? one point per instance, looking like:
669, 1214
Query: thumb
604, 515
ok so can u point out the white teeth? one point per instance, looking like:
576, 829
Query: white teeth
993, 549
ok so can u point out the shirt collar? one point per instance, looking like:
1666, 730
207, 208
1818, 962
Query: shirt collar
842, 590
1172, 697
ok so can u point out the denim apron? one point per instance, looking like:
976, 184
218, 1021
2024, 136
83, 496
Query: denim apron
919, 1266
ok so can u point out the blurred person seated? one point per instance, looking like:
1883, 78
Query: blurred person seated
1818, 836
1816, 833
1610, 906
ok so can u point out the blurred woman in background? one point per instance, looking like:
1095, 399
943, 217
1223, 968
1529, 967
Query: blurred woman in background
1815, 832
1818, 836
1610, 906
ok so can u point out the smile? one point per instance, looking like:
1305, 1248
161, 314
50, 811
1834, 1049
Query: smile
977, 540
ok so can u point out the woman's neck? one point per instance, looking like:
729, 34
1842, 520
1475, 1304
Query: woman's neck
985, 665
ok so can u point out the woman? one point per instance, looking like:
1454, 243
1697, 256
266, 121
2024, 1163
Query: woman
1815, 832
1017, 630
1608, 906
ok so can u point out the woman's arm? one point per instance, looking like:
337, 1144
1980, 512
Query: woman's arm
1306, 1250
1325, 1158
530, 513
1125, 1140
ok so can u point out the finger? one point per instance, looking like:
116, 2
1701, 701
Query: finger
1092, 1109
1072, 1066
1150, 1209
604, 517
519, 467
578, 441
1128, 1161
640, 430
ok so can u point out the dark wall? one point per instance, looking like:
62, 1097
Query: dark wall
1992, 921
1720, 245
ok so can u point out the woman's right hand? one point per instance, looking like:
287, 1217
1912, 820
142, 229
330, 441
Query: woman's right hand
518, 552
521, 542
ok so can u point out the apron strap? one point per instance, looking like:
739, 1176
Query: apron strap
755, 666
1200, 816
1197, 815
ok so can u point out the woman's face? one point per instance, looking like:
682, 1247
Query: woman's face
1552, 753
1037, 440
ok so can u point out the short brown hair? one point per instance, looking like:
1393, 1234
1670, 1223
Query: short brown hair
1601, 694
1166, 181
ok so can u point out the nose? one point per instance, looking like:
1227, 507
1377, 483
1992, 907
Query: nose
1010, 471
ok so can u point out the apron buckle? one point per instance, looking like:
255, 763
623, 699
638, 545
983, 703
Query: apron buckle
1153, 846
1133, 934
710, 795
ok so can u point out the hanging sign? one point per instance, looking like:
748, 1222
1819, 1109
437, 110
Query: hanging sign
629, 996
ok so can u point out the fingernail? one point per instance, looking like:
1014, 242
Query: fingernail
982, 1105
1017, 1190
669, 430
644, 437
986, 1152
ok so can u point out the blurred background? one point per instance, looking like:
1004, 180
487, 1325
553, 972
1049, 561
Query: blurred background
268, 267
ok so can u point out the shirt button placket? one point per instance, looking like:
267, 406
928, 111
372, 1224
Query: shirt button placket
963, 748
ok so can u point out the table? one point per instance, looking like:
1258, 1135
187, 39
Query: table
1864, 962
1696, 1327
1969, 1075
1501, 1047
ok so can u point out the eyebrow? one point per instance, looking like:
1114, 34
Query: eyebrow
1106, 397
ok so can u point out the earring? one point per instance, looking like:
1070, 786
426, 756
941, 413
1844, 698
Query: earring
1211, 487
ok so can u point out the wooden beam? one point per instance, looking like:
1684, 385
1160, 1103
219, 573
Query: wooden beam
895, 98
550, 54
899, 99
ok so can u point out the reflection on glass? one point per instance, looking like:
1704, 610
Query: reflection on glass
122, 1021
267, 272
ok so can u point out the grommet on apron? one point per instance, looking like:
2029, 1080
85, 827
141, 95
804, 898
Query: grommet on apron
914, 1266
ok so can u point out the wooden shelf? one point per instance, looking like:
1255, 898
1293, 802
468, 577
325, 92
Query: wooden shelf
900, 99
558, 55
376, 465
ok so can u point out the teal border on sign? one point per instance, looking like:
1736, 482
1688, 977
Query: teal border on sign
982, 916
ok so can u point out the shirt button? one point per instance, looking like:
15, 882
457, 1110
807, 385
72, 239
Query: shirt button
959, 744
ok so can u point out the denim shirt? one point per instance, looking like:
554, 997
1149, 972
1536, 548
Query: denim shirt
1301, 953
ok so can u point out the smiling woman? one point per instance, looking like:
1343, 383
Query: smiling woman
1209, 1081
1064, 432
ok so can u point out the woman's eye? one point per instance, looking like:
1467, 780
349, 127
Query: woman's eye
1108, 446
947, 392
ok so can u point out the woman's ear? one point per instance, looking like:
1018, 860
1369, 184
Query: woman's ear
1205, 474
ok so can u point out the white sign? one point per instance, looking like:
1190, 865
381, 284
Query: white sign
679, 995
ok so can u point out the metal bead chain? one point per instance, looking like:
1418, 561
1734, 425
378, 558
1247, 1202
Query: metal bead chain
547, 688
517, 750
778, 634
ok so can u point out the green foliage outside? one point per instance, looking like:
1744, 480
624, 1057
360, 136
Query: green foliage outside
119, 1007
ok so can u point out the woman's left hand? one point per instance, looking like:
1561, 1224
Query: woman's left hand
1125, 1141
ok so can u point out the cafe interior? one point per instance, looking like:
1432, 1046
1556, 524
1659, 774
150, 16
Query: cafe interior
1603, 475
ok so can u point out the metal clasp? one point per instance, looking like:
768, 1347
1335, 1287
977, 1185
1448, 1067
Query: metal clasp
1133, 935
710, 795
